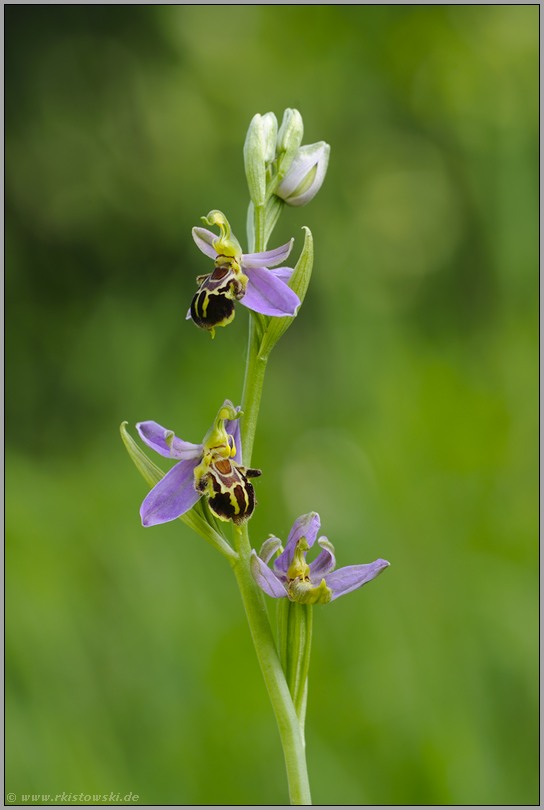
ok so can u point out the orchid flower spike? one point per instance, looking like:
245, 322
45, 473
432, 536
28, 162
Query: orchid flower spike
213, 469
313, 584
238, 276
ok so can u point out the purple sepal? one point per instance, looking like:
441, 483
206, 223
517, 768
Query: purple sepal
174, 495
265, 577
324, 562
164, 441
352, 577
283, 273
305, 526
269, 295
269, 258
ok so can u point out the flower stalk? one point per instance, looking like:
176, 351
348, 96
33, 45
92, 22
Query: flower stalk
253, 388
210, 484
290, 721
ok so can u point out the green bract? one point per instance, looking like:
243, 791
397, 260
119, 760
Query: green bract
298, 282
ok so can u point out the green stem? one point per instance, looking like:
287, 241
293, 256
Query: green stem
252, 596
255, 365
253, 386
263, 639
260, 224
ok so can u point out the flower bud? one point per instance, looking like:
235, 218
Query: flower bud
289, 137
305, 175
270, 131
259, 150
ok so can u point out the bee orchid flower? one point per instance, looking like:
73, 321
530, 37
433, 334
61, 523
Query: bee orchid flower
316, 583
212, 469
237, 276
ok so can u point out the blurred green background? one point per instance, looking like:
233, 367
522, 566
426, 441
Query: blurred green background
401, 404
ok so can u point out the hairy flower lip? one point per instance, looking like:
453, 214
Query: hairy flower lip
177, 492
275, 582
266, 292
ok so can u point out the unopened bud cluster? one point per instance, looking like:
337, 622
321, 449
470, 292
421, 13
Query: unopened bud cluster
276, 163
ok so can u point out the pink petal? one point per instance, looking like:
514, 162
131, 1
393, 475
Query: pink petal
269, 258
204, 240
324, 562
156, 436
